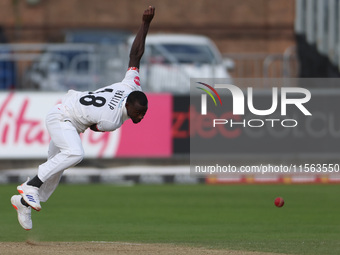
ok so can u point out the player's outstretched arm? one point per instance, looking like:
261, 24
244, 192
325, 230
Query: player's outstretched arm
138, 45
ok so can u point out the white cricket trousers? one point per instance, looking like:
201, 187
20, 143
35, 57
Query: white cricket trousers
65, 150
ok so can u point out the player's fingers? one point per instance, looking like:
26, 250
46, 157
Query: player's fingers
151, 9
147, 12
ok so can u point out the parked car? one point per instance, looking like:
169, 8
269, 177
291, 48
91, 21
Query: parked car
60, 69
88, 60
170, 60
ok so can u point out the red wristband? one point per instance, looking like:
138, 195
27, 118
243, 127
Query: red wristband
133, 68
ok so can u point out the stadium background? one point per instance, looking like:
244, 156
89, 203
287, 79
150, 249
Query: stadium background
263, 38
247, 31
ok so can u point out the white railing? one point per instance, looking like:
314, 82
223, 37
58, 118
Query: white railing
59, 67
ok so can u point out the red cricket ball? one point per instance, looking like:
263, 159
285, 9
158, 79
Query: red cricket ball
279, 202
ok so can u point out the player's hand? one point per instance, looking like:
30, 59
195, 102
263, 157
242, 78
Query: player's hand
148, 14
94, 128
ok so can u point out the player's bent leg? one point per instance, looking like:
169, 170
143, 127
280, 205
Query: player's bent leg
52, 150
66, 139
24, 212
49, 186
52, 178
60, 162
65, 151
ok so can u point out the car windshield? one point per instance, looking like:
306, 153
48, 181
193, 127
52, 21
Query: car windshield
189, 53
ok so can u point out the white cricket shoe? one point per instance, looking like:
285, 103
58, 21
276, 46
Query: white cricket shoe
24, 212
30, 195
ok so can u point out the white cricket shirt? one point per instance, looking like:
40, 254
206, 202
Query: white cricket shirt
104, 107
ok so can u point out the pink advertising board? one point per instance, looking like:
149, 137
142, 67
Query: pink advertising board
151, 137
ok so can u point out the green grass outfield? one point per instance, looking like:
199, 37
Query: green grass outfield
235, 217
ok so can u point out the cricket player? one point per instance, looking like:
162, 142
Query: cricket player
103, 110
